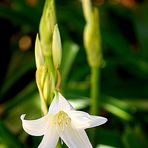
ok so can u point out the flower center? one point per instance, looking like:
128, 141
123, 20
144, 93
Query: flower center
62, 119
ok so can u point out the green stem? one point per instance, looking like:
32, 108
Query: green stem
95, 98
95, 90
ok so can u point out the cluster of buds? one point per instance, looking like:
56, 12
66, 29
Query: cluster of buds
48, 53
92, 40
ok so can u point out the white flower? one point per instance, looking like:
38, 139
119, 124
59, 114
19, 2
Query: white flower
64, 122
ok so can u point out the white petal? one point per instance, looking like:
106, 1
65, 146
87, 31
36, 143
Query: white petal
75, 138
59, 103
35, 127
53, 109
50, 138
64, 104
82, 120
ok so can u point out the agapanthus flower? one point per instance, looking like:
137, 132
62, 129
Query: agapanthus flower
62, 121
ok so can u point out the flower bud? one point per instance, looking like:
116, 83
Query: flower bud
56, 47
39, 58
47, 23
45, 84
92, 41
87, 9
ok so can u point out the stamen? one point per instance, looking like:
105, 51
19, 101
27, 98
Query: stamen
62, 120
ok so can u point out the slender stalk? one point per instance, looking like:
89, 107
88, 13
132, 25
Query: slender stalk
95, 90
95, 98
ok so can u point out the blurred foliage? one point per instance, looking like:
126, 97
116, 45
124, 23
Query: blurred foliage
124, 81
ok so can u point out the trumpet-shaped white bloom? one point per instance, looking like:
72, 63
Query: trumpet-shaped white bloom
62, 121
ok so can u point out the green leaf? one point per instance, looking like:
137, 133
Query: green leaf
117, 107
70, 51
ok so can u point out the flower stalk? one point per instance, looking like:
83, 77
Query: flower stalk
95, 90
93, 50
48, 54
92, 43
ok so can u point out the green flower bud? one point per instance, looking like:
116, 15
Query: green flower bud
56, 47
39, 58
46, 85
92, 41
87, 9
47, 23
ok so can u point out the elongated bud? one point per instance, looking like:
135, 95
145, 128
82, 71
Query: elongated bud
87, 9
46, 85
40, 80
39, 58
56, 47
47, 23
92, 41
